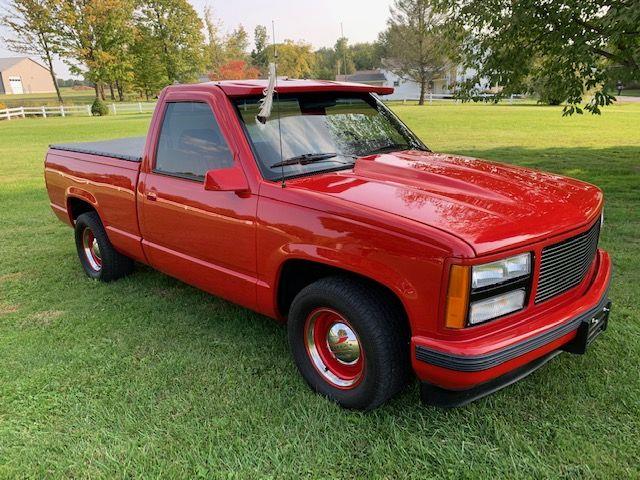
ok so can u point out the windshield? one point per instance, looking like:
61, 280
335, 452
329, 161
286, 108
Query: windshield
322, 132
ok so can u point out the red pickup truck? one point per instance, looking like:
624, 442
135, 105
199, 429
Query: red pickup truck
382, 257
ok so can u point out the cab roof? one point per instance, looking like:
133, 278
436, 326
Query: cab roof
244, 88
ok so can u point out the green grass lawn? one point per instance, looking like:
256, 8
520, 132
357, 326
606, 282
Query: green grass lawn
70, 96
148, 377
631, 92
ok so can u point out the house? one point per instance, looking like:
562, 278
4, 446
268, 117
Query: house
22, 75
406, 89
368, 77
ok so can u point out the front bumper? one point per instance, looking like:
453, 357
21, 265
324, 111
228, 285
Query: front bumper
589, 327
467, 373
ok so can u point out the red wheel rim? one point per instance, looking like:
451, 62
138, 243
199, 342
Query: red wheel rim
334, 348
91, 249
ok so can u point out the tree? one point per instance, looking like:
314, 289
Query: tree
366, 56
582, 46
175, 33
343, 59
33, 28
149, 71
325, 64
416, 41
214, 49
295, 59
93, 38
261, 41
237, 44
235, 70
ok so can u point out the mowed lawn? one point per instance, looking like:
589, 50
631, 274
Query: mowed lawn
148, 377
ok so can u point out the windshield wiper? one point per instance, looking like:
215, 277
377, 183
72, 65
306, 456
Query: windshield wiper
307, 158
389, 147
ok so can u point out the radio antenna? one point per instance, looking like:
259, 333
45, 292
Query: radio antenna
275, 70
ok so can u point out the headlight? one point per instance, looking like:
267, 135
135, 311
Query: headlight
500, 271
497, 306
484, 292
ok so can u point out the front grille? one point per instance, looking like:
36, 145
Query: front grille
564, 265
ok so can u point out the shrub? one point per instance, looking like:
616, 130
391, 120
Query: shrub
2, 106
99, 108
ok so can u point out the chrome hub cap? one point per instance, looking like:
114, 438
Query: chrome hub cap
91, 249
334, 348
343, 343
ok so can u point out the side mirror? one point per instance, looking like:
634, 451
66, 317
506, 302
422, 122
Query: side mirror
226, 180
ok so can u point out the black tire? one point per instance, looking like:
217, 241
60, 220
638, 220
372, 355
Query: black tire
382, 333
107, 264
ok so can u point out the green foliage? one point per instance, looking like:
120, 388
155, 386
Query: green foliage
343, 57
99, 108
360, 56
261, 41
295, 59
237, 44
33, 31
221, 51
94, 38
419, 42
214, 54
366, 56
546, 88
150, 72
587, 46
173, 31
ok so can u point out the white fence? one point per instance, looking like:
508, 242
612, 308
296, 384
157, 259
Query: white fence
434, 97
140, 107
64, 110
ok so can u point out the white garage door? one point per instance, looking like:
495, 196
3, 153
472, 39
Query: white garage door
16, 85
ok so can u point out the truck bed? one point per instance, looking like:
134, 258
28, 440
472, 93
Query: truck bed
130, 149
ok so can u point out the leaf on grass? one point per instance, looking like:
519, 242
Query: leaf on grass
42, 318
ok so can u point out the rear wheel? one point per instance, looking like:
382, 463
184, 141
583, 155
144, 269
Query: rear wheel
99, 259
348, 342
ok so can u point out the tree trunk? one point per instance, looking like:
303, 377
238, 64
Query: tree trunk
120, 91
423, 88
97, 89
113, 95
101, 91
53, 75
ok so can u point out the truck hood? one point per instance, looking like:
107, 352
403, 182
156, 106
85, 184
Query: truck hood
489, 205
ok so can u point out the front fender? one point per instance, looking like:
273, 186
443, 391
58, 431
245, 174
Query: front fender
408, 266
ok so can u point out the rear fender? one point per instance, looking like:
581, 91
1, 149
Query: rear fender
80, 194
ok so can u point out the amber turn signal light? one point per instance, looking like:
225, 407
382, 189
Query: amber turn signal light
457, 297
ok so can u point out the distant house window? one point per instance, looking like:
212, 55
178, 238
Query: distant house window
396, 83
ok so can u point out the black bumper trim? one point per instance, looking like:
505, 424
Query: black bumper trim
477, 363
439, 397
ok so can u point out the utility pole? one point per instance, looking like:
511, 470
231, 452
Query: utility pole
344, 51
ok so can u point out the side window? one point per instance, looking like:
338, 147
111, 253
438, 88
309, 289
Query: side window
191, 142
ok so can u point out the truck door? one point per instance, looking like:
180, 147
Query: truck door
205, 238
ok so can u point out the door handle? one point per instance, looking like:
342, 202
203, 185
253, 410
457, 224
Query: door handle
152, 196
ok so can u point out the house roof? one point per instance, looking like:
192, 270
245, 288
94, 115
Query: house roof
9, 62
239, 88
364, 76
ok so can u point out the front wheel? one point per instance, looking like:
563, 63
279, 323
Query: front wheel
99, 259
348, 342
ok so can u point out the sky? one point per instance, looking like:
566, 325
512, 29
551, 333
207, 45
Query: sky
314, 21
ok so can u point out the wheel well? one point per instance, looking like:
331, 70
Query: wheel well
297, 274
77, 207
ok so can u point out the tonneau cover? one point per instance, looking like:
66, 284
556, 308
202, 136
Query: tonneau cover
123, 148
